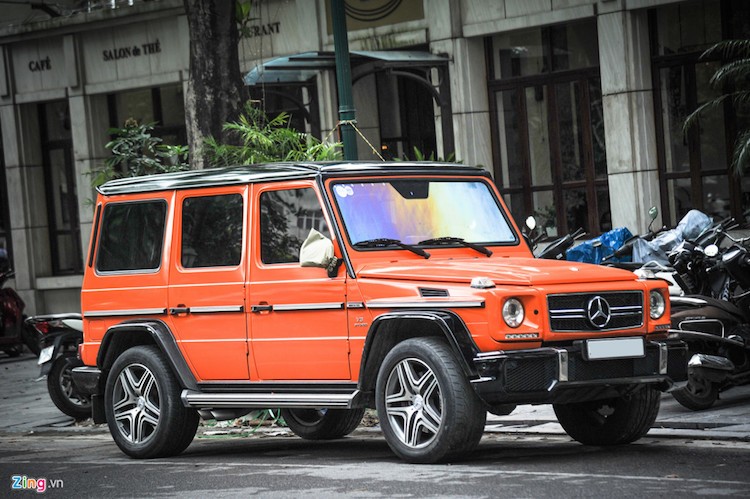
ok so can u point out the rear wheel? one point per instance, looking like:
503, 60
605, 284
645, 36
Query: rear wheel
322, 424
697, 395
63, 392
142, 402
426, 407
612, 421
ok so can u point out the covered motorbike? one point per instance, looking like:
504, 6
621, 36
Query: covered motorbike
14, 334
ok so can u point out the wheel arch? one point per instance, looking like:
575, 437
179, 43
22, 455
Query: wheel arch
125, 335
389, 329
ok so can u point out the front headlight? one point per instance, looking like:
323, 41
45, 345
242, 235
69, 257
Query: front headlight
657, 304
513, 312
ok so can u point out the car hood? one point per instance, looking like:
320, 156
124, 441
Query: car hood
503, 271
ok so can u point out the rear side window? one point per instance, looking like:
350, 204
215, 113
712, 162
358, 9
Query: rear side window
212, 231
132, 236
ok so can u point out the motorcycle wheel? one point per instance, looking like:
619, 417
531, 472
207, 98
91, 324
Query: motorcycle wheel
697, 395
63, 392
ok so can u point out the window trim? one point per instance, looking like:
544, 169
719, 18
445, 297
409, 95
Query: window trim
156, 270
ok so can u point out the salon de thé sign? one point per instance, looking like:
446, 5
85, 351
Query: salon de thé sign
131, 51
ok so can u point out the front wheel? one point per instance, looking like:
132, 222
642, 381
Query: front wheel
427, 409
62, 390
697, 395
613, 421
142, 402
322, 424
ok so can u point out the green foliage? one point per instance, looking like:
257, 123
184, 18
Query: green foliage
264, 140
420, 156
732, 79
242, 12
135, 152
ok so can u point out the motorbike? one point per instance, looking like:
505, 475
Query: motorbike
61, 334
715, 325
557, 248
14, 333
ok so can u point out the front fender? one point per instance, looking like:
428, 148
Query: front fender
389, 329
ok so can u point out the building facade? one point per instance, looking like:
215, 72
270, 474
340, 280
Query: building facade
575, 106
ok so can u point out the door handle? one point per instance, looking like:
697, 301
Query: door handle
181, 309
261, 308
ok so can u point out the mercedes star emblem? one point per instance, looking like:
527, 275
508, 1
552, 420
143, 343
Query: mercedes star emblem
598, 312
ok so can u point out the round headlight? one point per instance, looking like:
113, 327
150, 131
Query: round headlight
657, 305
513, 312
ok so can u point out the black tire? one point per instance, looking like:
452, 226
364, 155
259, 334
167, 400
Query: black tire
322, 424
614, 421
142, 402
62, 391
13, 351
31, 338
427, 409
697, 395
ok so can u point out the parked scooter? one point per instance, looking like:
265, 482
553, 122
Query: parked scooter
557, 248
715, 328
14, 334
61, 335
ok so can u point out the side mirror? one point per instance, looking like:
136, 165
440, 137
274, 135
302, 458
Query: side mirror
653, 213
317, 251
531, 223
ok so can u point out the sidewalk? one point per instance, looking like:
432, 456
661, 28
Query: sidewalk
25, 407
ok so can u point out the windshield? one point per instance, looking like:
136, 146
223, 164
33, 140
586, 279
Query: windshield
417, 210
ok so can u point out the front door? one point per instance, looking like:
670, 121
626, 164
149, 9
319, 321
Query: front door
298, 321
207, 282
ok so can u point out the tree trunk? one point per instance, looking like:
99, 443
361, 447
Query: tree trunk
215, 88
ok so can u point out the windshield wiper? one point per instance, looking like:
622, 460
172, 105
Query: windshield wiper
456, 240
383, 242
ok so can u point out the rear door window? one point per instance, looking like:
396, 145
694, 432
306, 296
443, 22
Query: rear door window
212, 231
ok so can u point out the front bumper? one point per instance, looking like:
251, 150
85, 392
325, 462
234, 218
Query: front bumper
562, 374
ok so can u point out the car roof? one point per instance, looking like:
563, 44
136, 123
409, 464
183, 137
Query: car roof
269, 172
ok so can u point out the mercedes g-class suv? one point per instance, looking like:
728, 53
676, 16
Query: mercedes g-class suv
325, 289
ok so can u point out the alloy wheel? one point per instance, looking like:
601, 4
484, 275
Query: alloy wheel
414, 403
136, 403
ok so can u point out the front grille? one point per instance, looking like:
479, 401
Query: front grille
568, 312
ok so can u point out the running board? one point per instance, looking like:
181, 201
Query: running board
203, 400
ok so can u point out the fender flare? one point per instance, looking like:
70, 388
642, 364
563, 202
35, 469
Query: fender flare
387, 330
161, 335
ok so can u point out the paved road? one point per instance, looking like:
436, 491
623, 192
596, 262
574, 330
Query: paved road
521, 455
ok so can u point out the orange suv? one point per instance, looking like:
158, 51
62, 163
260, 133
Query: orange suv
325, 289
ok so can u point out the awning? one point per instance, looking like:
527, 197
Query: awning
302, 67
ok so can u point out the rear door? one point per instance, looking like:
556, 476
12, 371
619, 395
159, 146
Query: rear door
206, 284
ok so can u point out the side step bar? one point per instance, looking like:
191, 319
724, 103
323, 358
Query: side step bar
203, 400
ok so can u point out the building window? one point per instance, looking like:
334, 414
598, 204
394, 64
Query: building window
60, 186
298, 100
548, 126
162, 105
6, 249
694, 166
